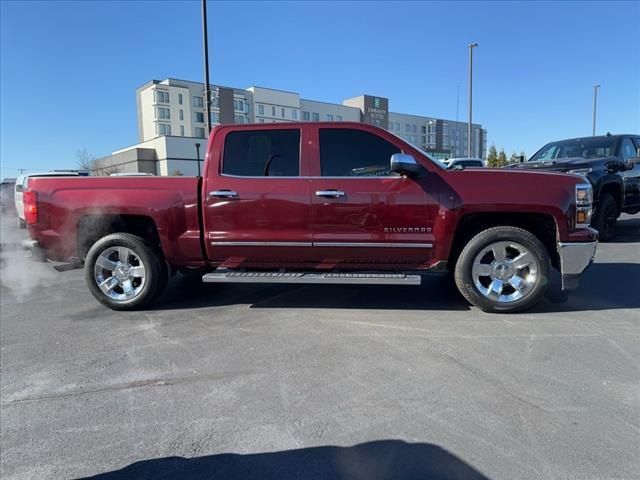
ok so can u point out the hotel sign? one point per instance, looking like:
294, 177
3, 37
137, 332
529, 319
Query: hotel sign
376, 111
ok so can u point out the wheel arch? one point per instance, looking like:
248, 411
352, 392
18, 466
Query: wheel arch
91, 228
543, 226
614, 189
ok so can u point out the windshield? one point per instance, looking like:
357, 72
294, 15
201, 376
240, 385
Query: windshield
595, 147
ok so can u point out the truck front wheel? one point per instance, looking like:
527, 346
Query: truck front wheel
605, 217
123, 272
503, 269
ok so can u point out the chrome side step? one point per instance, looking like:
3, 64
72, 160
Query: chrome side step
304, 277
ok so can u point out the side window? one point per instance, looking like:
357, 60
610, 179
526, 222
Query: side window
258, 153
354, 153
627, 149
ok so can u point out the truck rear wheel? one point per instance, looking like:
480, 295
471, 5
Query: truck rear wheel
606, 217
503, 269
123, 272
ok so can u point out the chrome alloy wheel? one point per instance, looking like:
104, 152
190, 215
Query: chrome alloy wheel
505, 271
119, 273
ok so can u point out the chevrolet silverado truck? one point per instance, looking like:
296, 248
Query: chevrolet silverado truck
609, 162
302, 203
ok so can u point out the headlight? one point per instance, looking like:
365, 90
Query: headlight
584, 204
583, 172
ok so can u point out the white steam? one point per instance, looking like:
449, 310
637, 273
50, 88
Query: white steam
20, 275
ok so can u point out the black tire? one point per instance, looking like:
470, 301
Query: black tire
464, 268
22, 224
605, 217
155, 278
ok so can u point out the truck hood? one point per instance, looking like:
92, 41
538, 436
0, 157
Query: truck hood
566, 164
512, 189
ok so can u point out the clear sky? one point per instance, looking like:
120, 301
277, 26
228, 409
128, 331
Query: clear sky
69, 70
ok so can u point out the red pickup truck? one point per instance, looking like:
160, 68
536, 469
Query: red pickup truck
332, 202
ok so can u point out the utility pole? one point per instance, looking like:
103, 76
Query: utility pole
205, 42
469, 143
595, 102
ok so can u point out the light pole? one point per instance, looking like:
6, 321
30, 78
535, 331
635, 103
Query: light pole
471, 46
205, 45
198, 156
595, 101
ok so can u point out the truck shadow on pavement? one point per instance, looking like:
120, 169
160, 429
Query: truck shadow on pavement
604, 286
627, 230
383, 459
436, 293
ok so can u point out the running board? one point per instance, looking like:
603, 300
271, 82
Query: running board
303, 277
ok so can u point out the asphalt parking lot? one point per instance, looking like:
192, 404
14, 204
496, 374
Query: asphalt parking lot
312, 382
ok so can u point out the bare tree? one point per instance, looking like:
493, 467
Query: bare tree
86, 161
97, 166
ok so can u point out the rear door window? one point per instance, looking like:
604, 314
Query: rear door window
262, 153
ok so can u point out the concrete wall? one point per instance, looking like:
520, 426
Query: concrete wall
274, 103
349, 114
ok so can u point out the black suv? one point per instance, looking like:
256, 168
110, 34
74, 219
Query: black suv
612, 165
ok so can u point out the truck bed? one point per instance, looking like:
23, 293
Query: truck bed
67, 207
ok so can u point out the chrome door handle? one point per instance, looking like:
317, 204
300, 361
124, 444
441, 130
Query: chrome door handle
223, 193
330, 193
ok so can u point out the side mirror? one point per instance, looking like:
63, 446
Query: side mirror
632, 162
19, 188
405, 164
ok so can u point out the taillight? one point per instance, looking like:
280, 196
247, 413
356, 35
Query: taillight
30, 201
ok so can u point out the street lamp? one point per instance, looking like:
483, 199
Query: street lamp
595, 101
205, 52
471, 46
198, 156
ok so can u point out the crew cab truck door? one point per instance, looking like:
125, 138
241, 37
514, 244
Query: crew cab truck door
631, 178
255, 197
364, 215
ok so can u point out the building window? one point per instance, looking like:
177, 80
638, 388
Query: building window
294, 114
163, 113
239, 119
316, 117
397, 126
215, 117
197, 102
180, 99
181, 114
329, 117
239, 105
164, 129
407, 127
424, 139
282, 112
306, 116
182, 130
338, 118
199, 132
261, 120
260, 109
349, 153
161, 96
414, 128
199, 117
245, 153
273, 111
